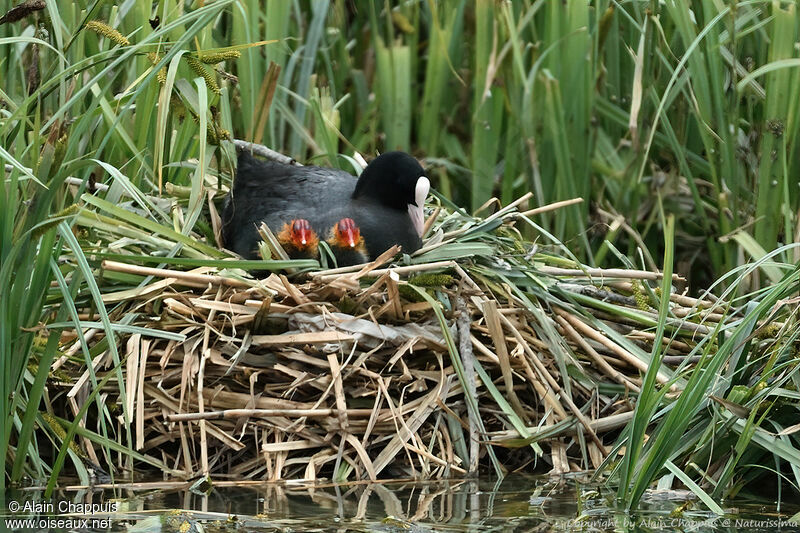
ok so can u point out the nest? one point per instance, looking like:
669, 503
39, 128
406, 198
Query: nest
480, 352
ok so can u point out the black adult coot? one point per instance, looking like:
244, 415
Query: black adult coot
385, 202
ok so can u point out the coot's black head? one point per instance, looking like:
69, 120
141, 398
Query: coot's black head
395, 180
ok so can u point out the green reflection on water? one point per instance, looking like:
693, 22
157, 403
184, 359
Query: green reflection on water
517, 503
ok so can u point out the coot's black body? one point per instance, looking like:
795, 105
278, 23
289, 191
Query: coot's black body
379, 202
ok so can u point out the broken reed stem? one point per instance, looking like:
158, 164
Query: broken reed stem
509, 207
680, 299
605, 273
507, 211
205, 356
549, 207
600, 425
431, 221
191, 279
263, 151
88, 335
267, 413
362, 269
322, 276
338, 390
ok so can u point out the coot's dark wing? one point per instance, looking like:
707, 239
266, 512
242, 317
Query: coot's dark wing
276, 193
267, 186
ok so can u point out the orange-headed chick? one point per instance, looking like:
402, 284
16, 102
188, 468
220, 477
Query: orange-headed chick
299, 239
347, 243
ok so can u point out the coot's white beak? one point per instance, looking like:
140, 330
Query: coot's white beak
415, 210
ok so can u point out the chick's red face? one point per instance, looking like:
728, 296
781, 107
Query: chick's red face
347, 233
301, 233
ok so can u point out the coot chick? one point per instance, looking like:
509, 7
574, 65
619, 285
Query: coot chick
347, 244
298, 239
386, 202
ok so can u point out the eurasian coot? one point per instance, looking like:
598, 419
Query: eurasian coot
347, 244
386, 202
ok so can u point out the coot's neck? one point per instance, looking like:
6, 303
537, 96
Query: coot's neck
366, 185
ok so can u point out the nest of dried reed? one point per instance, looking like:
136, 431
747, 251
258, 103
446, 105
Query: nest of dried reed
481, 351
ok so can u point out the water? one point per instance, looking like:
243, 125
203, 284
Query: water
518, 503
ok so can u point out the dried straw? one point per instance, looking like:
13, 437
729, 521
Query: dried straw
433, 369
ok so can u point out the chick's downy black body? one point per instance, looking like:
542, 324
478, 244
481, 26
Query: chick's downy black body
385, 202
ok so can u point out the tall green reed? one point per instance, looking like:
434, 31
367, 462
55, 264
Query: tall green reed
76, 103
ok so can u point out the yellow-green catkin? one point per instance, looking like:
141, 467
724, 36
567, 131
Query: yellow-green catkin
768, 331
401, 22
201, 71
162, 72
55, 220
59, 430
219, 57
408, 292
431, 280
639, 296
107, 31
215, 134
